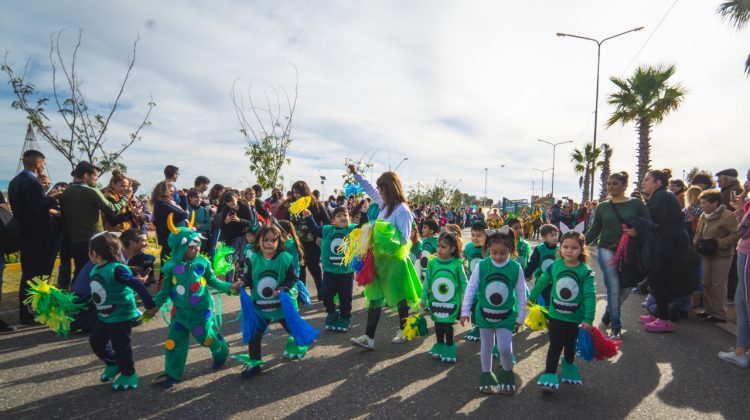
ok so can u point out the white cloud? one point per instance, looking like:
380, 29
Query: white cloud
455, 87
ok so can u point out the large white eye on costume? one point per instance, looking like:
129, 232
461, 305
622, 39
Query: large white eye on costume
424, 257
266, 286
443, 289
496, 293
567, 288
98, 294
335, 244
473, 263
546, 263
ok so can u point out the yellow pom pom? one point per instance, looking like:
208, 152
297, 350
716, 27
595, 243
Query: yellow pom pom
300, 205
537, 320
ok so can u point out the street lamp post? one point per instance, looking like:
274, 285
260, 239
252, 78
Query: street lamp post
596, 104
484, 200
554, 150
399, 164
542, 171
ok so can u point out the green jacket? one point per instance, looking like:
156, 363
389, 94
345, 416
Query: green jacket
81, 206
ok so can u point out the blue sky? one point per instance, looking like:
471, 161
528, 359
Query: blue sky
453, 86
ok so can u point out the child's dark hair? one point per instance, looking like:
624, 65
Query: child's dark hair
452, 240
338, 210
193, 193
578, 237
288, 231
478, 227
130, 235
432, 224
107, 246
269, 230
506, 239
547, 229
513, 220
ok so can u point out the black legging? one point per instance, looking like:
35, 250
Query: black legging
562, 336
373, 317
253, 348
444, 332
312, 263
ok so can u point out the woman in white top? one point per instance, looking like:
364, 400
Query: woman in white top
395, 284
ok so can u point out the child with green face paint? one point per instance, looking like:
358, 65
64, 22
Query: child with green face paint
444, 284
572, 303
473, 253
498, 284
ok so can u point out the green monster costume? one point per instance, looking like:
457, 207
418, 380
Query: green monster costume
187, 284
472, 254
442, 294
573, 300
497, 307
429, 248
330, 252
496, 298
546, 258
332, 256
524, 252
267, 276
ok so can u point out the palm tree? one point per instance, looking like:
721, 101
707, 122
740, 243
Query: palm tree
606, 170
647, 99
584, 161
737, 12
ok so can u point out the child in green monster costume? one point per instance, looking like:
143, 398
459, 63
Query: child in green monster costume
416, 245
270, 272
543, 256
338, 279
497, 284
430, 229
473, 253
112, 286
187, 279
442, 292
573, 303
522, 247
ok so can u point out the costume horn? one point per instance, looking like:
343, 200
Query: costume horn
192, 220
170, 224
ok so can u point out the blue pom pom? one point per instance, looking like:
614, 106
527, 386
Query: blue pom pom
585, 347
304, 333
350, 189
357, 264
251, 323
303, 293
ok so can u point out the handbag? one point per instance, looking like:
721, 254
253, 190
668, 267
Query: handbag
707, 247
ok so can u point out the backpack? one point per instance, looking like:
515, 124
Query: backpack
10, 232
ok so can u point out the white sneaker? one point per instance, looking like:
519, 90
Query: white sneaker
399, 338
732, 357
364, 341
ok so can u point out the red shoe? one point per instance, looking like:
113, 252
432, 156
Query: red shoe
659, 326
645, 319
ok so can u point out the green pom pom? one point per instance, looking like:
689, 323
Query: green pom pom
223, 261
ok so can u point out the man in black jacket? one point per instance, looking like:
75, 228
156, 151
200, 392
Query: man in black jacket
31, 208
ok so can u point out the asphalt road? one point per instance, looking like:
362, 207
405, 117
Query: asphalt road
657, 376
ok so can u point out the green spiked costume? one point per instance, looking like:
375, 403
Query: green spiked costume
188, 284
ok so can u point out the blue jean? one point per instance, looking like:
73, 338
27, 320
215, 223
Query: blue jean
742, 300
238, 243
615, 294
684, 304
